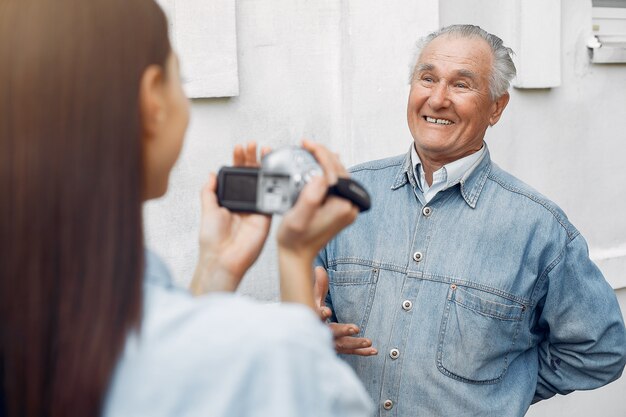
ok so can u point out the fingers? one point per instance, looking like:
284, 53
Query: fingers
346, 343
344, 209
351, 343
340, 330
327, 160
338, 165
336, 214
370, 351
325, 313
309, 200
265, 150
208, 196
355, 346
250, 155
320, 290
239, 157
315, 219
245, 155
318, 217
321, 285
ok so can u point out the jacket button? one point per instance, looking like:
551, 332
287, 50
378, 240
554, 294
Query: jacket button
407, 305
394, 353
388, 405
427, 211
417, 256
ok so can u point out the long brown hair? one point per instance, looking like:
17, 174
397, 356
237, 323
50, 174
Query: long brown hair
71, 245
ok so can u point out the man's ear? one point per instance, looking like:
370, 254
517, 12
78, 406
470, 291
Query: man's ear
498, 107
151, 101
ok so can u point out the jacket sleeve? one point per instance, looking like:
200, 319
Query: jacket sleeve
322, 260
585, 340
300, 375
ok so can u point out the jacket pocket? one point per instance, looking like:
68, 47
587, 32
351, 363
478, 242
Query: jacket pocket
352, 294
478, 332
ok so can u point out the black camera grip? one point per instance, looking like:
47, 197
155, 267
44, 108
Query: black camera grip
353, 191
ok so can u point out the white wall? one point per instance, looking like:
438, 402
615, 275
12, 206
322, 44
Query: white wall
336, 72
333, 71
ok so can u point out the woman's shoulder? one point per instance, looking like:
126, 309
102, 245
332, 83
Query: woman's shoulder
172, 313
195, 355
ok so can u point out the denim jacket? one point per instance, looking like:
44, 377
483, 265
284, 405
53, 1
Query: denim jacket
479, 303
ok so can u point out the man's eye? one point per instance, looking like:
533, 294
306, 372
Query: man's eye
427, 79
461, 85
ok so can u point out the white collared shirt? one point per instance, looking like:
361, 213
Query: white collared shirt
447, 176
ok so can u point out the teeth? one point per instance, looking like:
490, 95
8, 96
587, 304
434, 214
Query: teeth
438, 121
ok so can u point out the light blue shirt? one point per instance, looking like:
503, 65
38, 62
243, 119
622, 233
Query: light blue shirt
479, 302
225, 355
445, 177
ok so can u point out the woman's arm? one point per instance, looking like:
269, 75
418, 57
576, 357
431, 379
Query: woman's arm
309, 225
229, 242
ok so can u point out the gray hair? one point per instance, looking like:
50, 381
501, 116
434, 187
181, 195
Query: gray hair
503, 70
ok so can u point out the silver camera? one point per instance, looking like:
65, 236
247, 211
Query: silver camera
274, 187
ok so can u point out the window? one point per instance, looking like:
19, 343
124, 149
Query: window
608, 44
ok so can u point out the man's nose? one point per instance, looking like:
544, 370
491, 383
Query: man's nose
439, 96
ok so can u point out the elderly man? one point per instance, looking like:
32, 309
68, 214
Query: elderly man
475, 290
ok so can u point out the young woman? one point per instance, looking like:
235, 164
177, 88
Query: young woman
92, 119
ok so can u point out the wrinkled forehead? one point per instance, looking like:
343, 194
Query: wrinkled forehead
458, 52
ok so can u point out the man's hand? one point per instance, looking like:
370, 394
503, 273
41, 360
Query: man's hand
343, 334
229, 242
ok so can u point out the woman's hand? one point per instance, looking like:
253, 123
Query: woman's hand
316, 218
229, 242
309, 225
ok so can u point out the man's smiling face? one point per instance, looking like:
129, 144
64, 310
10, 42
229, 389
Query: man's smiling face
450, 106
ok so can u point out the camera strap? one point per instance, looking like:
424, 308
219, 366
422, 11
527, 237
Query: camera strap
351, 190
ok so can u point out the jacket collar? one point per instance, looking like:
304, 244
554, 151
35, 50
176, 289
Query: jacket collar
471, 184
